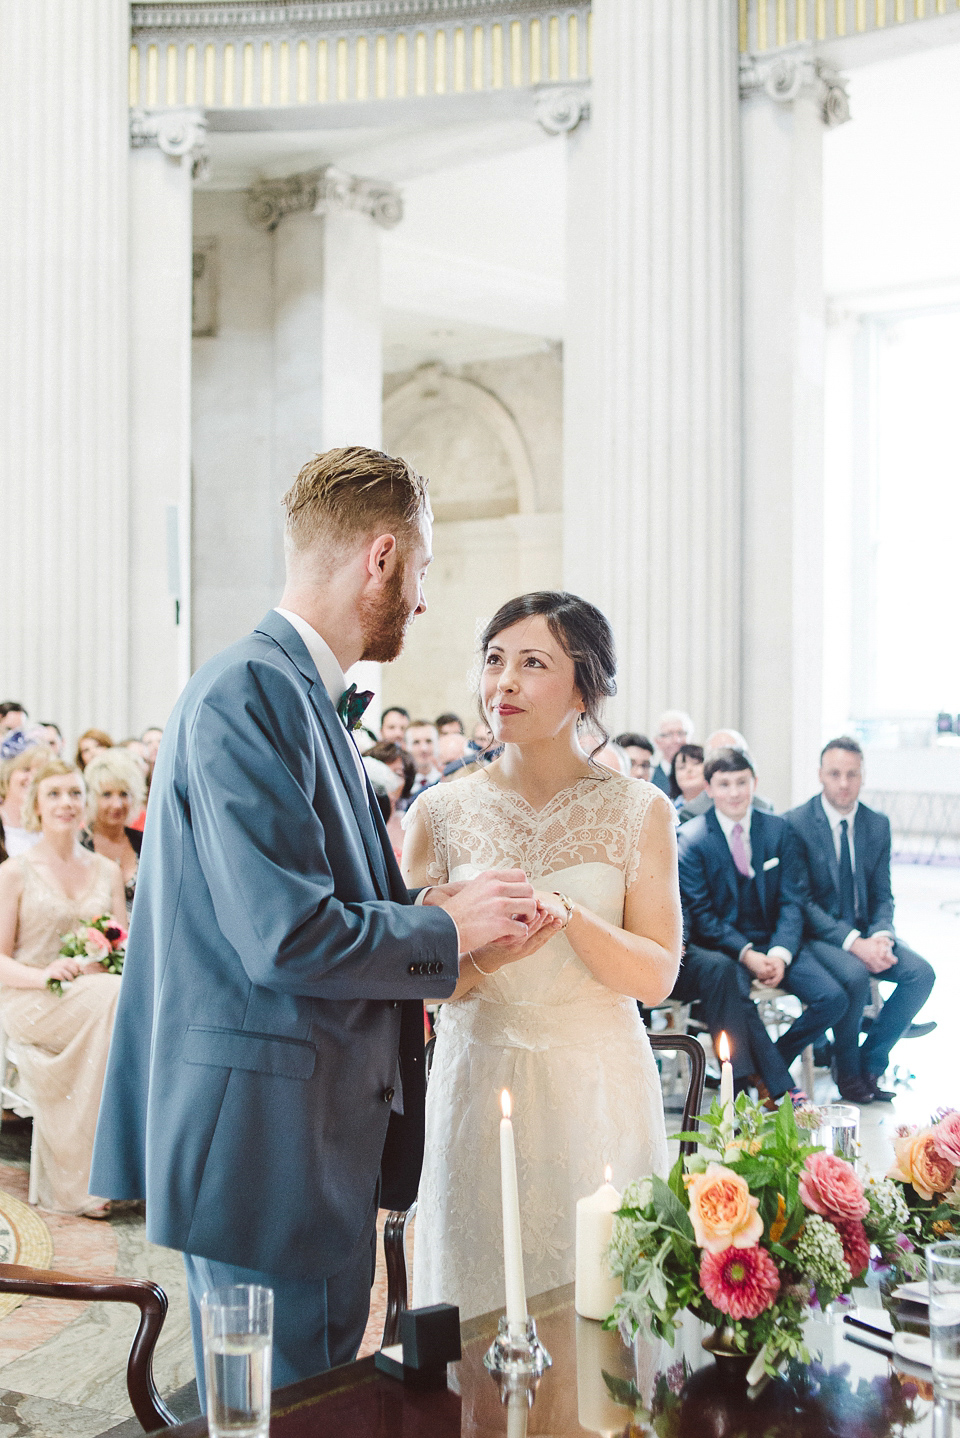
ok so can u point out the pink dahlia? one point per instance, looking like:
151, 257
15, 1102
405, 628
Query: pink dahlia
946, 1138
856, 1244
742, 1282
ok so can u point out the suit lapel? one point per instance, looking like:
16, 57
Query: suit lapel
722, 853
758, 856
825, 834
341, 745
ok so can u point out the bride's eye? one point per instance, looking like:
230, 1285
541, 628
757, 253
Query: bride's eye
537, 662
493, 659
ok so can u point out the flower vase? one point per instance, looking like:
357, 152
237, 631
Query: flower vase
732, 1364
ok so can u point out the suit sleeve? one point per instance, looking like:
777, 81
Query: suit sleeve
706, 926
817, 922
251, 774
879, 892
789, 931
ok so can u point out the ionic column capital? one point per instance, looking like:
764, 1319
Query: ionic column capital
788, 74
179, 132
322, 192
560, 108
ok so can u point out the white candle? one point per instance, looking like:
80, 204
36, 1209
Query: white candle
596, 1289
517, 1411
598, 1351
726, 1080
512, 1242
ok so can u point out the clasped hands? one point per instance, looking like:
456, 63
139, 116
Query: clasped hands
769, 969
499, 915
876, 953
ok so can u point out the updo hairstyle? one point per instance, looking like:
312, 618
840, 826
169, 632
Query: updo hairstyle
584, 635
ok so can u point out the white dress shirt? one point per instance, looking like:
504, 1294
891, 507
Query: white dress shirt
834, 819
778, 951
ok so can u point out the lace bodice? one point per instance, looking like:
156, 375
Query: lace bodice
46, 914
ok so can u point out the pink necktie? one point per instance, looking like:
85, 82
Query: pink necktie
739, 852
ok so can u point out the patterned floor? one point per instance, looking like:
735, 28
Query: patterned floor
62, 1365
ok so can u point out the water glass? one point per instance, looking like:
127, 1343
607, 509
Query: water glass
237, 1351
839, 1131
943, 1280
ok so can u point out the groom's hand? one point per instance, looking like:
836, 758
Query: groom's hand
497, 905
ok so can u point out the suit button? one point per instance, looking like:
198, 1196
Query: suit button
394, 1003
388, 1095
411, 968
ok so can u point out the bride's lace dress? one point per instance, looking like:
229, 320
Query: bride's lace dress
574, 1054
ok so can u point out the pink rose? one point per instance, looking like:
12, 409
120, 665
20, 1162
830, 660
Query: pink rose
95, 945
946, 1138
830, 1187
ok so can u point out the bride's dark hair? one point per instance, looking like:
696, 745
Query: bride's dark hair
582, 632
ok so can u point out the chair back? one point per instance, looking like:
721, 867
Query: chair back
670, 1042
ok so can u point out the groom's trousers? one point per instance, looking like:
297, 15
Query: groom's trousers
317, 1323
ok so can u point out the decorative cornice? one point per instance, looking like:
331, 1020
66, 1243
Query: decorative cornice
319, 192
178, 132
250, 16
560, 108
785, 75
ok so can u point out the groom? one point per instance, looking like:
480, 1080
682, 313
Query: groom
265, 1085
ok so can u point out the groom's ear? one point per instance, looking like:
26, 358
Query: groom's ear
383, 556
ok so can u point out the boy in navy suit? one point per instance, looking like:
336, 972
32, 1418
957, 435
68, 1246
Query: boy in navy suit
848, 913
742, 888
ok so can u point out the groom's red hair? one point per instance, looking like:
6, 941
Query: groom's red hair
351, 494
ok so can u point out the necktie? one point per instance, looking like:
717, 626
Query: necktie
352, 705
848, 901
739, 851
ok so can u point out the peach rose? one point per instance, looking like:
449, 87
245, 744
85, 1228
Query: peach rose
722, 1210
920, 1162
829, 1186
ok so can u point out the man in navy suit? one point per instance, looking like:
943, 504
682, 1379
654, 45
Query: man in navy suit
848, 911
742, 890
674, 730
265, 1084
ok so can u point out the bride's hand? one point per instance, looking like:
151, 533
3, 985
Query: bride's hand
507, 951
550, 905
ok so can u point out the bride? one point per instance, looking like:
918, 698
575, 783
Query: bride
555, 1022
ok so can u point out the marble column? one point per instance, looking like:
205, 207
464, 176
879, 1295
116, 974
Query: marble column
652, 356
787, 100
63, 354
166, 151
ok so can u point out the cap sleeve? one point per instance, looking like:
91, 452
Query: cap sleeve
429, 807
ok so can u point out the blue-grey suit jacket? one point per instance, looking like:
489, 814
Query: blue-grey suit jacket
708, 883
871, 875
262, 1012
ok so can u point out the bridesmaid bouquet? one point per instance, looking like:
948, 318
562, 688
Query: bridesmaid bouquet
747, 1234
102, 940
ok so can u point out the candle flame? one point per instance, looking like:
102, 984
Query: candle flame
506, 1103
723, 1048
607, 1174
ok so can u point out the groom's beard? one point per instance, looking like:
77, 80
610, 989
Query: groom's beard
385, 622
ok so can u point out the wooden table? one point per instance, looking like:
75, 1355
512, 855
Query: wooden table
848, 1392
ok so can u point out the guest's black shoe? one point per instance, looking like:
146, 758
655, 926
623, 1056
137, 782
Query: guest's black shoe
858, 1090
823, 1055
920, 1031
880, 1095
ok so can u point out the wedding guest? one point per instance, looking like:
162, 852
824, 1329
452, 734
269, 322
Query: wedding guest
396, 758
742, 884
115, 793
449, 724
394, 723
387, 784
481, 738
611, 756
15, 778
150, 739
721, 739
639, 751
53, 737
450, 747
62, 1039
91, 741
12, 716
848, 912
686, 775
421, 741
674, 728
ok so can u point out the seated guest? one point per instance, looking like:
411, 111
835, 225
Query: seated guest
721, 739
449, 748
848, 913
639, 750
115, 793
150, 739
397, 759
16, 774
421, 741
91, 741
675, 728
686, 775
52, 737
62, 1039
394, 723
482, 737
449, 724
12, 716
741, 882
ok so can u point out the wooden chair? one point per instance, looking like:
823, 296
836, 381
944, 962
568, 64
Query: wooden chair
150, 1409
14, 1098
395, 1229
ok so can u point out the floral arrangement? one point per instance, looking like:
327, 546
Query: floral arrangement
102, 941
919, 1200
744, 1233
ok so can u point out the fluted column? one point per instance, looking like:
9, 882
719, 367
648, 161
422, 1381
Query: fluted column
63, 357
652, 355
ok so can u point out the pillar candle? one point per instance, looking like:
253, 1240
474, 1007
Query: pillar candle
599, 1350
596, 1288
512, 1242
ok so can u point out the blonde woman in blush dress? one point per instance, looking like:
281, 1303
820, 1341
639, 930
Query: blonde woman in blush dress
61, 1039
555, 1022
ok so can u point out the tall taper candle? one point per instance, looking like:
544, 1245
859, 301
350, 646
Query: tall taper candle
726, 1080
512, 1242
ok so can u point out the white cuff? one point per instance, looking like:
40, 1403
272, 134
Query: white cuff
779, 952
851, 939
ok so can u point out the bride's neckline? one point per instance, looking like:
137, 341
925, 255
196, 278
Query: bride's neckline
525, 803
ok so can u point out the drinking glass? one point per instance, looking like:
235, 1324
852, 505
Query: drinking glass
237, 1351
943, 1280
839, 1131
